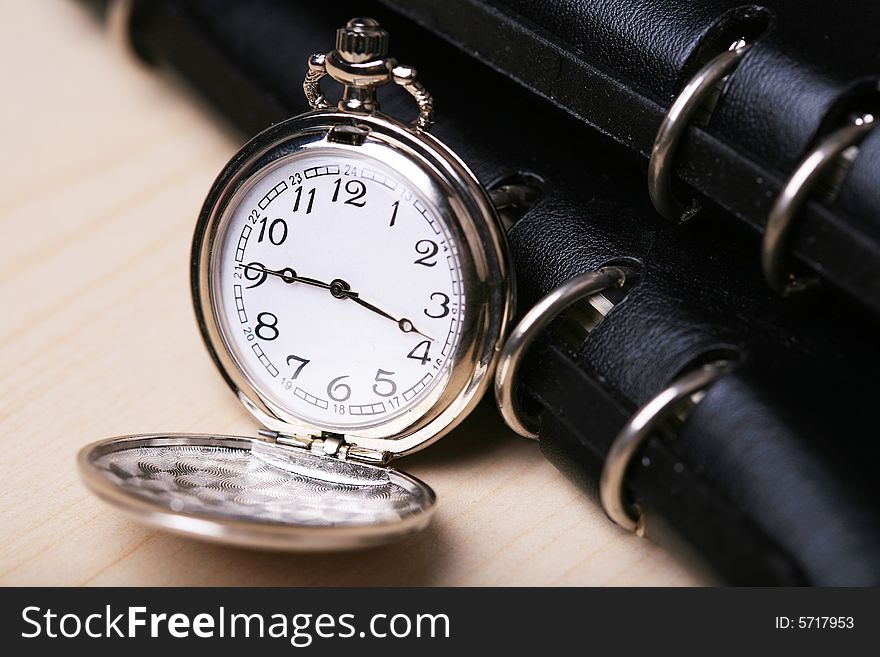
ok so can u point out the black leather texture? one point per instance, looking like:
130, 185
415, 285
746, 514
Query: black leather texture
617, 65
771, 477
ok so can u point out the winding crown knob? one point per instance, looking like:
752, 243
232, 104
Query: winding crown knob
361, 40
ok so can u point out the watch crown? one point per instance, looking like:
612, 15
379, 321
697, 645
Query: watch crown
361, 40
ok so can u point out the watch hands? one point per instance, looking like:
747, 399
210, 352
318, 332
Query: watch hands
340, 290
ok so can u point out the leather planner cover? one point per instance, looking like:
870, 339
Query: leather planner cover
617, 65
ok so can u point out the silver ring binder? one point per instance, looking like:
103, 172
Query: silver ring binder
529, 327
676, 121
633, 435
794, 194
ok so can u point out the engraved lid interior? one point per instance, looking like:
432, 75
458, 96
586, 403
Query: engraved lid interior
249, 492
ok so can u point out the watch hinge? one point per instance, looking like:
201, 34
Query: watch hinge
329, 444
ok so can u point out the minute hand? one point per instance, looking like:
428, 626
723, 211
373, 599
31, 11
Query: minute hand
404, 324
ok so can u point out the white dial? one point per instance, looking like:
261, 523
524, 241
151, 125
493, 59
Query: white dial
337, 289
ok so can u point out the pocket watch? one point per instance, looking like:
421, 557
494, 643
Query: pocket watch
351, 281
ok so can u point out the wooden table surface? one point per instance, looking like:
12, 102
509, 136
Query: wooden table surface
105, 167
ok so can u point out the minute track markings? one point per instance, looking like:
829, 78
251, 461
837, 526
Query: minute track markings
311, 399
325, 170
272, 194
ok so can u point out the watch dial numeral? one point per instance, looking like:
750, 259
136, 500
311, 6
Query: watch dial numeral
267, 326
299, 368
298, 193
356, 190
338, 391
444, 305
396, 206
421, 352
258, 274
427, 249
277, 231
389, 386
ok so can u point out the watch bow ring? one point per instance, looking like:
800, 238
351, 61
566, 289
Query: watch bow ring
360, 64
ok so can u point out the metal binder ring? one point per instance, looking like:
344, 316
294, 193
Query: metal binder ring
634, 434
794, 194
530, 326
674, 124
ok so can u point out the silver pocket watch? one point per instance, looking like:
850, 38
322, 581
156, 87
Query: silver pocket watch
351, 281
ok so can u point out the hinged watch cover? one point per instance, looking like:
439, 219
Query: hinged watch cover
255, 493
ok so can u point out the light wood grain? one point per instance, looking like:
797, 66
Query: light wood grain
104, 168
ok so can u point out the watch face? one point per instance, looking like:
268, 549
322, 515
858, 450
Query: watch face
336, 286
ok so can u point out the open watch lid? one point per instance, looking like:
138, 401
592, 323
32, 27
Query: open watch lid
255, 492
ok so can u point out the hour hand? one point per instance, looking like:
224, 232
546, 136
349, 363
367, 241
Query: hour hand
287, 274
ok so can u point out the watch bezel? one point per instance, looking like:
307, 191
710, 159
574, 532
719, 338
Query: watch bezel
485, 270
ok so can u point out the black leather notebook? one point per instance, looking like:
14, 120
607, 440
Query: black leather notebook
770, 477
616, 65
